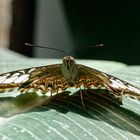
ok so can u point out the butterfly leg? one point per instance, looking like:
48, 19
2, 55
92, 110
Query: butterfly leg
81, 96
51, 94
85, 90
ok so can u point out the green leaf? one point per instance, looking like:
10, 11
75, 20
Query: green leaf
30, 116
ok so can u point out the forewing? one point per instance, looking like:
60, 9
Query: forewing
32, 78
119, 88
45, 79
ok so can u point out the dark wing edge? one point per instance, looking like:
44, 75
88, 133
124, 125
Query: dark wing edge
116, 86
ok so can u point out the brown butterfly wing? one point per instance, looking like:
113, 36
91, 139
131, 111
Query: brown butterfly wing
34, 78
94, 78
50, 78
45, 79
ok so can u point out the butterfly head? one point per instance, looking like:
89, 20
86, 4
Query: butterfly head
68, 62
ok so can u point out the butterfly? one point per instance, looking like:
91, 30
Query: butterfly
59, 77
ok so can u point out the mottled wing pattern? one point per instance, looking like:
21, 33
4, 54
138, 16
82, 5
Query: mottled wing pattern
94, 78
50, 79
42, 78
45, 79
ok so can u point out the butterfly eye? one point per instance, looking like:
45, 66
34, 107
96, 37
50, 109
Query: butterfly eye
71, 62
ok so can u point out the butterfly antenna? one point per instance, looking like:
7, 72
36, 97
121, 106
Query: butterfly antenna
96, 46
27, 44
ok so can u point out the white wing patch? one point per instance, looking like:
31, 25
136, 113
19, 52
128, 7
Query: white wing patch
15, 74
133, 89
2, 78
31, 70
125, 88
117, 83
22, 78
17, 77
10, 80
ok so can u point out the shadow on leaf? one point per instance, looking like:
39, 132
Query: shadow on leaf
100, 107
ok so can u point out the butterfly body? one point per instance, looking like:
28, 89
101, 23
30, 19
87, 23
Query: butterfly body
69, 70
59, 77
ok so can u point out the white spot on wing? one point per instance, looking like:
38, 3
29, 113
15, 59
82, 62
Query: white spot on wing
133, 89
117, 84
22, 78
15, 74
2, 78
121, 83
10, 80
31, 70
7, 74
